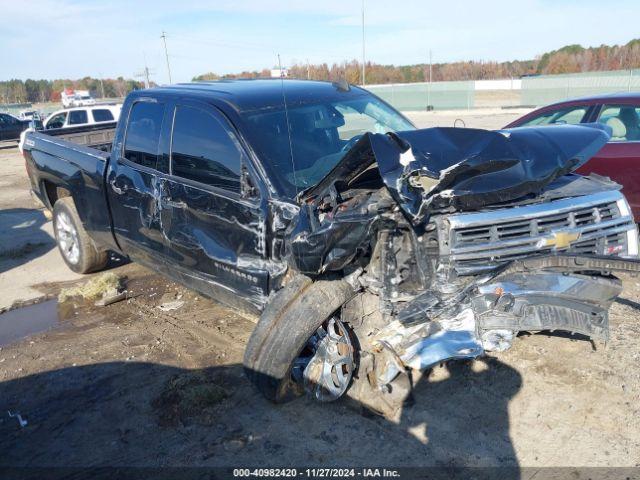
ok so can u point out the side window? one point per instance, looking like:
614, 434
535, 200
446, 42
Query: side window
78, 117
143, 133
102, 115
624, 121
204, 150
571, 116
57, 121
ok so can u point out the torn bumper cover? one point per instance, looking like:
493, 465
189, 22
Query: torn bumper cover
544, 293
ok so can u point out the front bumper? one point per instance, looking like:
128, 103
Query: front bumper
556, 292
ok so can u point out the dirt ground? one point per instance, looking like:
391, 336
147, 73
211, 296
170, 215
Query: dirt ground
28, 253
131, 384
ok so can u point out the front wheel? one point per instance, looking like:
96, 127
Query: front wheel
300, 343
326, 363
77, 249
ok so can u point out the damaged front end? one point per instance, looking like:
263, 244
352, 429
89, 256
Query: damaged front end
455, 240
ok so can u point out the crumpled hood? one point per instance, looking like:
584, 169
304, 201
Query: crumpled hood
466, 168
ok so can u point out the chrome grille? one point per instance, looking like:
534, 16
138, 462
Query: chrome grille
594, 224
509, 229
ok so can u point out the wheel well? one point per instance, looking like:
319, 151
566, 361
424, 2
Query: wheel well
54, 192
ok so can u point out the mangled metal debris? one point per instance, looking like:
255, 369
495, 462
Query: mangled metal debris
464, 169
426, 172
435, 222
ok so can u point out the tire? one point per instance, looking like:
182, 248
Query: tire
77, 249
290, 318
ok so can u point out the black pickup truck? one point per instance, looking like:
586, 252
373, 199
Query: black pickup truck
370, 248
11, 127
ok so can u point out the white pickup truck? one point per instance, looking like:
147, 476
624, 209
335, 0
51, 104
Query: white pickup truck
80, 116
78, 98
81, 125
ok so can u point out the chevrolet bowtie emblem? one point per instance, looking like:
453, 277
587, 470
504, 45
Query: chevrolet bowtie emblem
560, 240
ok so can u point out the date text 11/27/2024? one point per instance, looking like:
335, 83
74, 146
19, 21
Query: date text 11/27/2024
317, 472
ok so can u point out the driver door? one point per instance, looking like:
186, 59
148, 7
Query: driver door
214, 229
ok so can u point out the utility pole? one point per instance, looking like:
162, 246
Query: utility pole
146, 70
308, 70
166, 54
145, 74
363, 52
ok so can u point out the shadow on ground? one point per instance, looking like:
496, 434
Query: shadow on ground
628, 303
144, 414
21, 237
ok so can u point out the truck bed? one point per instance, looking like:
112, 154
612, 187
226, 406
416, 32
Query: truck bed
64, 160
98, 136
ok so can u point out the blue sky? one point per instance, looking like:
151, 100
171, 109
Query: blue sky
72, 39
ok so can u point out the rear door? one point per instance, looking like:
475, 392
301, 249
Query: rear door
214, 228
102, 115
77, 117
619, 159
133, 183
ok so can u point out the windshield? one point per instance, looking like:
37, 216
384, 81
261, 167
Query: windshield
320, 136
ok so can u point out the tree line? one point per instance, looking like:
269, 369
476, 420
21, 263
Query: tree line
33, 91
568, 59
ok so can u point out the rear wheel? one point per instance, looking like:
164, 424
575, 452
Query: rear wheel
77, 249
301, 344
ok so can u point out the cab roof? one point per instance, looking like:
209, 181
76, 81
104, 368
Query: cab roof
257, 94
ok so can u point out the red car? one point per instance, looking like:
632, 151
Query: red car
620, 158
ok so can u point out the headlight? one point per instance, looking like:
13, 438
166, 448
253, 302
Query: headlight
632, 233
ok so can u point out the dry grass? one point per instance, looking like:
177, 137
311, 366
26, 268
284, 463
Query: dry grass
100, 286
